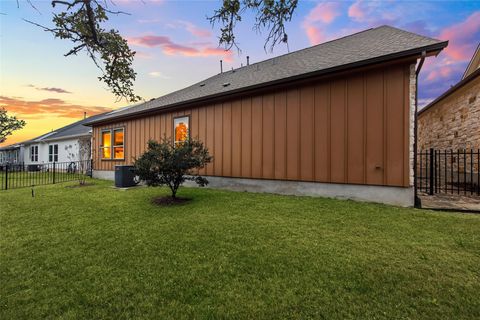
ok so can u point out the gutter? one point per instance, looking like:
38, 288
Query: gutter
429, 50
417, 203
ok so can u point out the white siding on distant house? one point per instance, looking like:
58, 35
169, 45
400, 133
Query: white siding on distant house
68, 150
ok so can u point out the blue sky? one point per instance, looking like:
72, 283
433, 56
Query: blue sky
176, 46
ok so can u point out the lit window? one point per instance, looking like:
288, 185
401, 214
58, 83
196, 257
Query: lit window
53, 153
112, 146
118, 144
181, 129
106, 146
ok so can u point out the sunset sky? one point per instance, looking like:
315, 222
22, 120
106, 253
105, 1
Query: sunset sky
176, 47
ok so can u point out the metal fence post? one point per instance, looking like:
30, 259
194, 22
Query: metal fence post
432, 163
54, 173
6, 176
91, 168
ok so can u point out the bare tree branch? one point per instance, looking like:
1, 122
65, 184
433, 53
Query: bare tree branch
80, 21
269, 14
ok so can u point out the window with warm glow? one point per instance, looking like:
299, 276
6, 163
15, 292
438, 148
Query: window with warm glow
181, 129
113, 144
106, 146
118, 144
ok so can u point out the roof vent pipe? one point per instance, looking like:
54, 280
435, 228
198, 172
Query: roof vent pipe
221, 66
84, 115
248, 60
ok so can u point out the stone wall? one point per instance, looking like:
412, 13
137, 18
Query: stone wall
453, 122
413, 89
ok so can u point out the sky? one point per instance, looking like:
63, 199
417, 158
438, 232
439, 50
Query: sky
176, 46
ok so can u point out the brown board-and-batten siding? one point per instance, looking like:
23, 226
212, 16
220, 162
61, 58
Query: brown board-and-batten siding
352, 128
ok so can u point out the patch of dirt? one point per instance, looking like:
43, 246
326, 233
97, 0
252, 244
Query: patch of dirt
169, 201
87, 184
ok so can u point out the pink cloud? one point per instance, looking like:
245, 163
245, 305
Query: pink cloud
195, 30
171, 48
314, 35
324, 12
356, 11
149, 41
463, 37
47, 107
441, 72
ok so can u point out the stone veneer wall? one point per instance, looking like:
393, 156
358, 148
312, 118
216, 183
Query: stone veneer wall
413, 89
453, 122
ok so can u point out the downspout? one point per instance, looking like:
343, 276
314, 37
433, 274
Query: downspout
417, 202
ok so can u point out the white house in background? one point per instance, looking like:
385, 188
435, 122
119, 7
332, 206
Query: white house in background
66, 144
12, 154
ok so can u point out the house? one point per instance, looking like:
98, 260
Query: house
452, 121
11, 154
67, 144
334, 119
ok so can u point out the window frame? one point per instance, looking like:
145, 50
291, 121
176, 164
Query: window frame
52, 153
112, 144
188, 116
34, 153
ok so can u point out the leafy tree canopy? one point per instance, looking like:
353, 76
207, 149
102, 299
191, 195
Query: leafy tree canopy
82, 22
8, 124
165, 163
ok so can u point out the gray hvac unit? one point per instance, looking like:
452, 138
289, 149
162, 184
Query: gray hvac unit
33, 167
125, 177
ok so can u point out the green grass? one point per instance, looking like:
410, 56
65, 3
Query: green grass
99, 253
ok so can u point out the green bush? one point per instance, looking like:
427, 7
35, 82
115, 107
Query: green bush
165, 163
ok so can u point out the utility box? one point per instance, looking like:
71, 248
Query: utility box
33, 167
124, 177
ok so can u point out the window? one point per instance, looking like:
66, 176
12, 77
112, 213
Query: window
53, 153
34, 153
118, 144
106, 144
181, 129
113, 144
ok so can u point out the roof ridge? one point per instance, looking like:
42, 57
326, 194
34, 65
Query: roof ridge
263, 61
409, 32
309, 48
364, 47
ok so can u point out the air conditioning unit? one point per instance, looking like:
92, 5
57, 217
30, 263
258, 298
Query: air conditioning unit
125, 177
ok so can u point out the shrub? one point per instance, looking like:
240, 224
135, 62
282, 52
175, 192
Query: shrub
165, 163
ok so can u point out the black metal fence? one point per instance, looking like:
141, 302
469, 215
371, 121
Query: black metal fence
20, 175
449, 171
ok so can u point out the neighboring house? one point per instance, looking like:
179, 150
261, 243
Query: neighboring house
12, 154
452, 121
335, 119
66, 144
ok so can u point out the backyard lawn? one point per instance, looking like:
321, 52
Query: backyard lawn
95, 252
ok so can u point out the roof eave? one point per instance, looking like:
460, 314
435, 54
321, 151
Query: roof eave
434, 49
73, 136
451, 90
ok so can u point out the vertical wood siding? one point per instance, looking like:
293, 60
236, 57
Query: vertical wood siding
349, 129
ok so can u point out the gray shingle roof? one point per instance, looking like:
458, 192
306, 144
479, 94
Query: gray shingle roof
365, 47
76, 129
